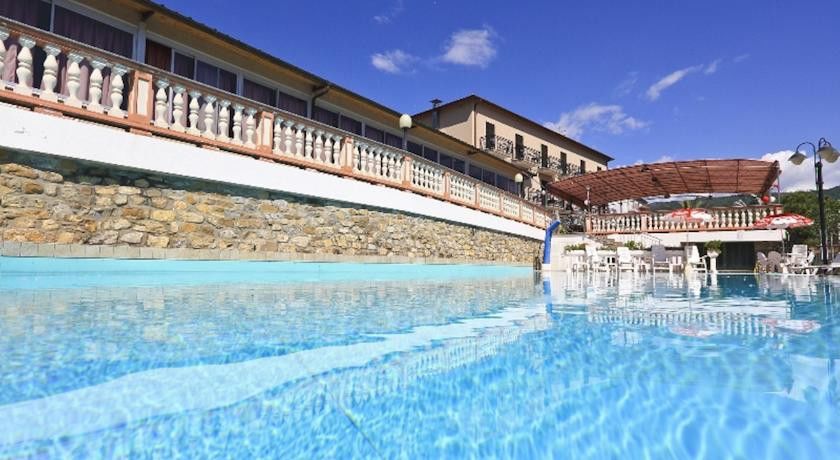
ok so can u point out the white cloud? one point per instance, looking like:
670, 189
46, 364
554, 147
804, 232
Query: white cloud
669, 80
801, 177
471, 47
395, 10
740, 58
595, 117
394, 61
626, 86
712, 67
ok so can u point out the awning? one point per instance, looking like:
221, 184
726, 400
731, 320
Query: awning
668, 179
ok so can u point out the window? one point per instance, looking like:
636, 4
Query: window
544, 155
563, 163
459, 165
158, 55
258, 92
475, 172
393, 140
488, 177
92, 32
184, 66
295, 105
375, 134
351, 125
489, 136
430, 154
582, 166
34, 13
520, 147
216, 77
415, 148
325, 116
446, 160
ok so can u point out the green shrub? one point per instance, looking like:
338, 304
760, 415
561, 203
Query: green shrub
714, 245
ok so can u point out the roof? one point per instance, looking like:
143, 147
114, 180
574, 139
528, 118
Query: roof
468, 149
666, 179
548, 131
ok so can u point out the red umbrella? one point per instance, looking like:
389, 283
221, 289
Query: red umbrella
783, 221
688, 215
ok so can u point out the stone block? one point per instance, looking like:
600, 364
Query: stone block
106, 252
10, 248
92, 251
45, 250
162, 215
28, 249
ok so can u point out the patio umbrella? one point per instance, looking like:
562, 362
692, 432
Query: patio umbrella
688, 216
783, 221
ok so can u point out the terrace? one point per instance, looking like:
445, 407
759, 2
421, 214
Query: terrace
54, 75
528, 157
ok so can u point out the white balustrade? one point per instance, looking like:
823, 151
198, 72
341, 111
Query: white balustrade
24, 65
250, 128
224, 121
178, 109
4, 35
95, 85
427, 176
462, 189
488, 198
50, 78
237, 123
510, 206
209, 117
118, 72
194, 106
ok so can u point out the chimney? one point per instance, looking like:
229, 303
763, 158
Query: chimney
435, 113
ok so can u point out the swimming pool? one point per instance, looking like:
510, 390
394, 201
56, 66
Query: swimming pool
282, 360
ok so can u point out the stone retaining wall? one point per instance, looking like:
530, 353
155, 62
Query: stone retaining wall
44, 200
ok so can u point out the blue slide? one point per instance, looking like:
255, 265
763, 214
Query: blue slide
547, 246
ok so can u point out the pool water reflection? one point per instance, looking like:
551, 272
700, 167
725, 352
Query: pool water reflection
453, 362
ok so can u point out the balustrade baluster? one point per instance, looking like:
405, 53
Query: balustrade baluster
50, 77
299, 140
209, 117
95, 85
161, 101
224, 121
377, 161
328, 146
118, 71
237, 123
288, 137
307, 153
362, 157
250, 128
4, 35
278, 135
193, 113
178, 109
336, 152
74, 74
24, 66
319, 146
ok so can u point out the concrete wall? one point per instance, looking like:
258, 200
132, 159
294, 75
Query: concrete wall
69, 205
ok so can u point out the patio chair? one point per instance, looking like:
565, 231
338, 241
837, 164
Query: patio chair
596, 262
659, 259
803, 265
760, 263
693, 259
776, 263
625, 259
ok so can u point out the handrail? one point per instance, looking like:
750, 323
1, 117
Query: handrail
140, 98
724, 218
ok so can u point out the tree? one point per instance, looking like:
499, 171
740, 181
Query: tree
805, 203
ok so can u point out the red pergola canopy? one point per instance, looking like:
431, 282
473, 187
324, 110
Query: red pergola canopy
666, 179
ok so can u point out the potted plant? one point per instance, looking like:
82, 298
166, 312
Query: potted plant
575, 247
632, 245
714, 248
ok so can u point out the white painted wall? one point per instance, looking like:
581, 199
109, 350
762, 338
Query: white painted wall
677, 239
64, 137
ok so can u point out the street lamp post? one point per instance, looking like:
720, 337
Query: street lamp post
518, 179
405, 125
822, 151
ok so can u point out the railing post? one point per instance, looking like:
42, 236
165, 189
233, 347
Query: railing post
588, 224
141, 98
408, 172
347, 155
644, 222
265, 137
446, 185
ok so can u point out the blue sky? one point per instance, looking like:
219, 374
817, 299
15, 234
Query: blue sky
639, 80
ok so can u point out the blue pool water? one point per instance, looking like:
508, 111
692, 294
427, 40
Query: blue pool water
282, 360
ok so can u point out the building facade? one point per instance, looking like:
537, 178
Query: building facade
546, 154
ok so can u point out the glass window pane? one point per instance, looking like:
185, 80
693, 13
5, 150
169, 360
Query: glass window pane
459, 165
227, 81
158, 55
393, 140
184, 66
258, 92
415, 148
207, 73
325, 116
375, 134
445, 160
430, 154
291, 104
475, 172
92, 32
351, 125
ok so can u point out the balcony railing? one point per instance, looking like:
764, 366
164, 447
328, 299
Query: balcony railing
509, 150
737, 218
106, 88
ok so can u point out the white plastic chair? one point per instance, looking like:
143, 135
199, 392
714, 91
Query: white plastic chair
693, 259
596, 262
625, 259
659, 259
760, 263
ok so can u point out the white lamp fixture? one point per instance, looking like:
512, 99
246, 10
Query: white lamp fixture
405, 121
828, 153
797, 158
518, 178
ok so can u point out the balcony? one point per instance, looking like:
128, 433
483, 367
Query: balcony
527, 157
725, 219
108, 89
